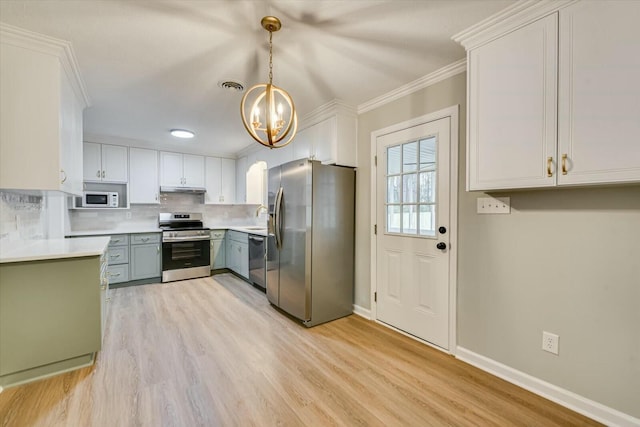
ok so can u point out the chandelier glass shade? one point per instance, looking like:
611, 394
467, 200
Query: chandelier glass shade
268, 112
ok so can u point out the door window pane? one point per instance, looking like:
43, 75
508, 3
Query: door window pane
409, 219
393, 189
394, 160
393, 219
427, 187
409, 188
428, 153
427, 220
409, 157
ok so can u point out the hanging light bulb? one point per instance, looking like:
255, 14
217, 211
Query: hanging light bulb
280, 119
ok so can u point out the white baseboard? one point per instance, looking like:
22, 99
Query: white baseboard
573, 401
361, 311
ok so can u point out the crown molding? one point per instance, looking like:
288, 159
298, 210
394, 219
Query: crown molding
414, 86
509, 19
325, 111
40, 43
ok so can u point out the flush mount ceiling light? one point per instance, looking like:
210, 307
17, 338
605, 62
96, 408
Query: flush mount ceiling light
272, 119
182, 133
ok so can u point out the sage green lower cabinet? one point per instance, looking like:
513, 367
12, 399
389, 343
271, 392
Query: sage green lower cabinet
51, 316
237, 252
118, 255
146, 254
218, 249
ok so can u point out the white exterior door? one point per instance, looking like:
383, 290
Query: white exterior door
413, 217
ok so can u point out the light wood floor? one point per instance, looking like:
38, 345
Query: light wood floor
212, 352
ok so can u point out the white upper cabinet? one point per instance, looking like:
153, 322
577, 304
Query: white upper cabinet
105, 163
512, 108
143, 176
193, 170
220, 180
599, 98
228, 181
578, 56
181, 170
241, 180
40, 113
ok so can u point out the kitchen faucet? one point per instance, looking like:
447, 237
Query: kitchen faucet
259, 208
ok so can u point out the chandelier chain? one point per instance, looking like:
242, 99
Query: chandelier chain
270, 58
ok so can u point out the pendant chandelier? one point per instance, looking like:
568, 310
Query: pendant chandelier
268, 113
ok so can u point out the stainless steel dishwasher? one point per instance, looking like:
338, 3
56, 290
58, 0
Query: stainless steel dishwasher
257, 261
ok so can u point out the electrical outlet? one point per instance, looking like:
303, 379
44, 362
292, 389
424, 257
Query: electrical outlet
550, 342
494, 205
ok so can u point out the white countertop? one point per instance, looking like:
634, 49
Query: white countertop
104, 232
34, 250
250, 229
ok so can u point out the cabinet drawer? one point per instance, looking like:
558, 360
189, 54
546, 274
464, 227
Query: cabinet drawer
119, 240
119, 255
118, 273
217, 234
139, 239
238, 236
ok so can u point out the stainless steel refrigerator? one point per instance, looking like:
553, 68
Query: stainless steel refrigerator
310, 247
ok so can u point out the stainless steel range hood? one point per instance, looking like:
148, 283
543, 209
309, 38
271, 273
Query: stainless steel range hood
192, 190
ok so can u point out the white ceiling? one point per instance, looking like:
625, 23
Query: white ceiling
150, 66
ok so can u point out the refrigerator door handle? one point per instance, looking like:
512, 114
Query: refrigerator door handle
278, 219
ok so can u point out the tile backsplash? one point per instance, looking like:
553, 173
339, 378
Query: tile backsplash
22, 216
145, 216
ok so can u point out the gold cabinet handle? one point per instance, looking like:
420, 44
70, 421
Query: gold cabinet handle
564, 164
98, 174
549, 165
64, 174
103, 174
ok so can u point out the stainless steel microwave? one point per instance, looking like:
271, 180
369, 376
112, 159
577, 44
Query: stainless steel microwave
99, 199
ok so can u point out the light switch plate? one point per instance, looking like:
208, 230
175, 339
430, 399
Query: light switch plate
494, 205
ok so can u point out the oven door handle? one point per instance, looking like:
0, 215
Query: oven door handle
186, 239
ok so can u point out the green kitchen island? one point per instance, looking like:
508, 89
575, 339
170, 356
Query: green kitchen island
53, 297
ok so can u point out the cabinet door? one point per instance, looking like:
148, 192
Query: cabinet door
218, 254
232, 255
115, 163
143, 176
324, 140
145, 261
512, 109
91, 161
193, 171
599, 112
241, 180
228, 181
213, 171
301, 145
71, 161
170, 169
243, 260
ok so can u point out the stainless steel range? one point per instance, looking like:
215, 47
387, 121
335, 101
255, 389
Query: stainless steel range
185, 246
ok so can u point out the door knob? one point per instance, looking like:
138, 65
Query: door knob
441, 246
442, 230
